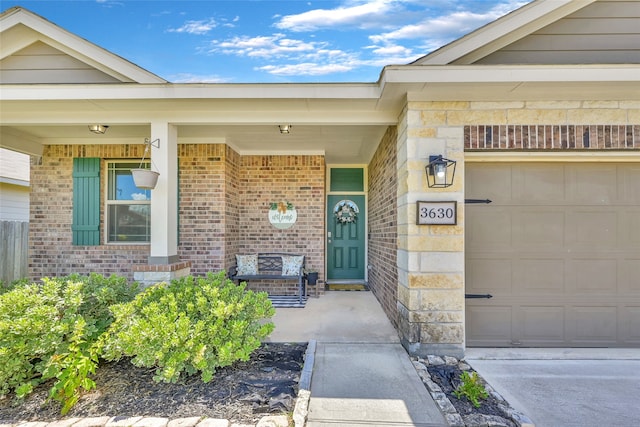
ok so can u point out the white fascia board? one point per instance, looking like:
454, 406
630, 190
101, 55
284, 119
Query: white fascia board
22, 143
189, 91
12, 181
193, 117
503, 31
421, 74
71, 44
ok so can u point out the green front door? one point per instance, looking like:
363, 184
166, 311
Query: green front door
345, 238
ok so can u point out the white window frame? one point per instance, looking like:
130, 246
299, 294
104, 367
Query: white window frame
109, 181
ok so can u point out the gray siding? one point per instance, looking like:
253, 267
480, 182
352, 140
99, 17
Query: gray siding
605, 32
41, 63
14, 202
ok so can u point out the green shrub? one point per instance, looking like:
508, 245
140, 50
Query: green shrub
471, 388
50, 330
6, 287
189, 325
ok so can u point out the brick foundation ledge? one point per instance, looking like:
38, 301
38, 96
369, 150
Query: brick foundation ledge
150, 274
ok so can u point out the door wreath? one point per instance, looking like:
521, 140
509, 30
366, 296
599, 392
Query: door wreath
346, 212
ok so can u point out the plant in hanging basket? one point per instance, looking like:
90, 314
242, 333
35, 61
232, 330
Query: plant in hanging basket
145, 178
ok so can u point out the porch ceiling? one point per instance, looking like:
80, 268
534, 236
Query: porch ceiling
341, 144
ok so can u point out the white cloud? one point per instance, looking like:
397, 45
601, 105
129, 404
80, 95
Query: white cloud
195, 78
275, 45
391, 50
363, 14
305, 69
442, 29
284, 55
196, 27
139, 196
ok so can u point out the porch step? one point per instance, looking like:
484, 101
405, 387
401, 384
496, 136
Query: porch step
287, 301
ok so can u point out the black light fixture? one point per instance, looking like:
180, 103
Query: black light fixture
440, 172
285, 128
98, 129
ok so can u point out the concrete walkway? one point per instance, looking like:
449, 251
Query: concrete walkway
362, 376
565, 387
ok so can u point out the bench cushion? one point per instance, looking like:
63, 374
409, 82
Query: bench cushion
247, 265
291, 265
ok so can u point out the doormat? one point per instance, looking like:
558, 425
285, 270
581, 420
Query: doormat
347, 287
287, 301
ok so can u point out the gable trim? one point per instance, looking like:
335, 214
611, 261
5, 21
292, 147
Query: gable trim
502, 32
75, 46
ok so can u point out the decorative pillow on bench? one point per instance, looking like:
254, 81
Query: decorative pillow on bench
291, 265
247, 264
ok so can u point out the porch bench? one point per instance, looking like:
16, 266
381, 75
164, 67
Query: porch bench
270, 266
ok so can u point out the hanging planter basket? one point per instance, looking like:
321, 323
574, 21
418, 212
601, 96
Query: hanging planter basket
145, 178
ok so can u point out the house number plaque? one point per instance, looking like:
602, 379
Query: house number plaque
437, 213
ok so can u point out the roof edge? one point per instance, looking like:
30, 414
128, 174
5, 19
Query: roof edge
503, 31
76, 44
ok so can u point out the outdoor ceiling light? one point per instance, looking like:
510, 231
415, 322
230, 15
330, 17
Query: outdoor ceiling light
98, 129
440, 172
285, 128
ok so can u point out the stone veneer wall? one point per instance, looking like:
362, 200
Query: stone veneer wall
431, 259
383, 242
298, 179
51, 252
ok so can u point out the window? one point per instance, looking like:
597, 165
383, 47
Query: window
128, 208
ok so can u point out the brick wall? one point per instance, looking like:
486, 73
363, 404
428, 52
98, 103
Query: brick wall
51, 252
297, 179
224, 201
558, 137
232, 206
383, 246
202, 206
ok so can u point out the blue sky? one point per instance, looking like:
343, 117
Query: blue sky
248, 41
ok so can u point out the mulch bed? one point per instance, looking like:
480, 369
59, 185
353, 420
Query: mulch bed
243, 393
491, 410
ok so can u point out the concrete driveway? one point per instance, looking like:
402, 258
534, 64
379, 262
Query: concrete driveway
565, 387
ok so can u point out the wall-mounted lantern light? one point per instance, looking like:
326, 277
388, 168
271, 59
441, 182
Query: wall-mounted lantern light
440, 172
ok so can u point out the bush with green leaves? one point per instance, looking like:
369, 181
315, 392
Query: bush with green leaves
6, 287
472, 388
51, 330
190, 325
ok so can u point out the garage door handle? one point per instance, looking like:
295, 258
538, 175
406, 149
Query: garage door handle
477, 296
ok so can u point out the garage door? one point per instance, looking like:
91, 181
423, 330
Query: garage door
559, 250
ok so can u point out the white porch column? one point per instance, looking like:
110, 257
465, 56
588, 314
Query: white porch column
164, 198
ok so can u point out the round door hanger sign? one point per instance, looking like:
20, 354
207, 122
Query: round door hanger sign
282, 215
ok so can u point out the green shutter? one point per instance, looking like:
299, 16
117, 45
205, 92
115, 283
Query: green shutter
86, 201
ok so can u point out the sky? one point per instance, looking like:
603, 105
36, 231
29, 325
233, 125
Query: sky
269, 41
